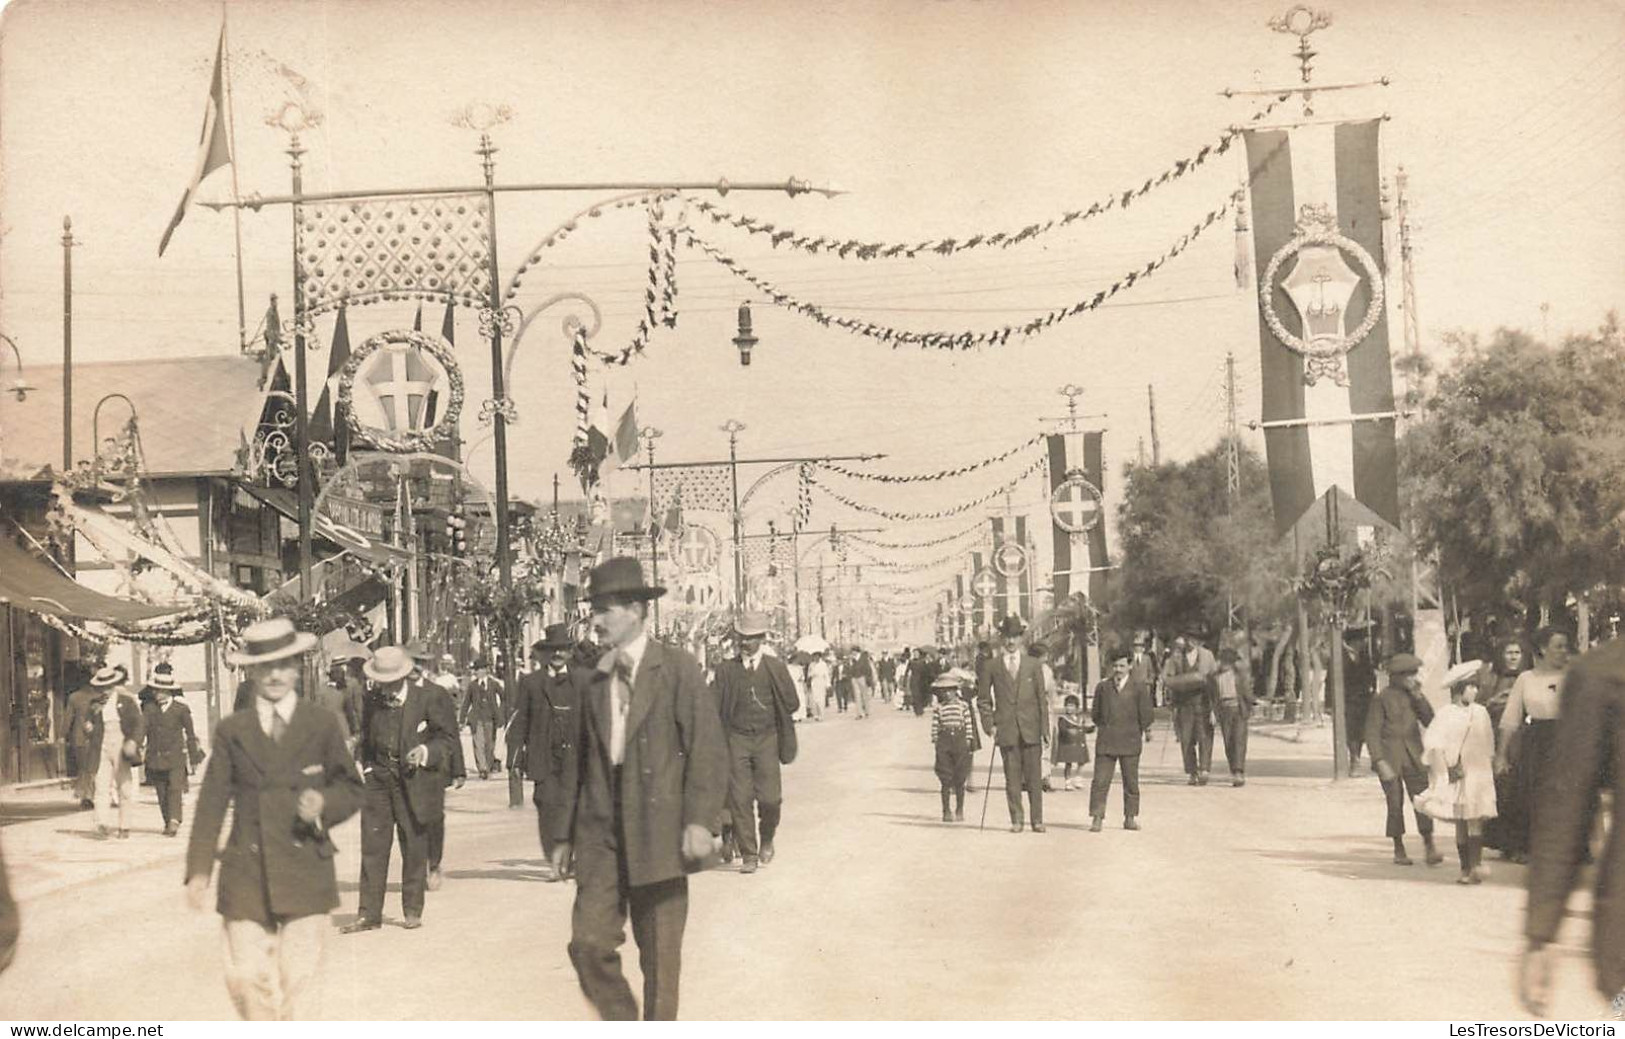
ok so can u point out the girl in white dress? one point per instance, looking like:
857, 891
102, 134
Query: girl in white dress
1459, 749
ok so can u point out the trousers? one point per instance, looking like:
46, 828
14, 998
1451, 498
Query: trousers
1233, 727
170, 785
1193, 722
385, 816
1400, 789
1024, 767
860, 693
113, 776
1100, 785
485, 746
754, 783
270, 968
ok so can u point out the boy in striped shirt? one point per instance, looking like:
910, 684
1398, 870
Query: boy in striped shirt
953, 733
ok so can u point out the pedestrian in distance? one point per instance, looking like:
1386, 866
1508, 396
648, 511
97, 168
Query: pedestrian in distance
407, 737
818, 683
1529, 734
1071, 740
1013, 699
758, 705
954, 738
1187, 677
1393, 734
172, 748
545, 728
1233, 703
80, 727
283, 771
1459, 748
653, 778
1123, 715
482, 711
444, 684
118, 729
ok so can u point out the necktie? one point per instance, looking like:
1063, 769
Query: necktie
278, 726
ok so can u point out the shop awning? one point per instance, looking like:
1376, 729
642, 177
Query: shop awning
32, 584
369, 549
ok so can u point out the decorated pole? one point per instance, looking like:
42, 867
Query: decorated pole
301, 393
650, 435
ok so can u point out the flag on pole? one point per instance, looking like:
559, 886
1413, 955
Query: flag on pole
626, 434
214, 146
1317, 232
326, 423
674, 512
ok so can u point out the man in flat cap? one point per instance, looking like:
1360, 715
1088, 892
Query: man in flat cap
1013, 701
758, 703
652, 780
1393, 734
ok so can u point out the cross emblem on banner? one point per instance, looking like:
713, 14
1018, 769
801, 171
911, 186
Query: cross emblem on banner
984, 584
1075, 506
403, 389
696, 551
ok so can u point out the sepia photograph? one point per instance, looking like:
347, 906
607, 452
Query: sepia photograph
812, 510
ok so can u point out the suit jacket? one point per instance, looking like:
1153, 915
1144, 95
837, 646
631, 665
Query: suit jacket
1122, 717
1017, 704
132, 724
546, 726
79, 723
426, 719
171, 740
1590, 757
481, 702
273, 865
1393, 729
674, 773
1204, 665
730, 685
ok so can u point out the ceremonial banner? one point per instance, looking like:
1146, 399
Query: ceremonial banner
1318, 236
960, 620
1009, 543
1077, 481
985, 588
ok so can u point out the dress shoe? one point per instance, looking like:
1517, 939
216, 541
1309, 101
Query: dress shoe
102, 833
1131, 823
412, 923
485, 775
748, 866
435, 880
959, 815
1400, 858
361, 924
171, 829
969, 787
1096, 823
767, 852
729, 849
1433, 856
1038, 827
947, 816
1238, 780
124, 835
1201, 779
1016, 827
1192, 781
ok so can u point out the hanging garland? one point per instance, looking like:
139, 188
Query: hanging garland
976, 528
954, 340
853, 248
660, 292
930, 477
957, 556
909, 517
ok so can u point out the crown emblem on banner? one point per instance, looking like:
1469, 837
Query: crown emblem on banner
1320, 287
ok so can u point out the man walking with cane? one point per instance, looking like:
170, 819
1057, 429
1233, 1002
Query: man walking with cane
1014, 704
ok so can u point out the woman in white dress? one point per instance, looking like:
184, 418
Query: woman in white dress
1459, 749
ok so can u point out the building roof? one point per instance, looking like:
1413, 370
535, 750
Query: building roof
192, 412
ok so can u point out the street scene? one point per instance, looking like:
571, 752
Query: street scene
924, 512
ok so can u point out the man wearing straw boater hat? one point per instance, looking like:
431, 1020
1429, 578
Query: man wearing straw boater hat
117, 729
171, 745
759, 703
652, 780
542, 734
282, 768
407, 735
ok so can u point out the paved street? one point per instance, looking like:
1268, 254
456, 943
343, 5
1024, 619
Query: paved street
1272, 901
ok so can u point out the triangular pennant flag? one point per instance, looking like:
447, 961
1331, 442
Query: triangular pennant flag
214, 145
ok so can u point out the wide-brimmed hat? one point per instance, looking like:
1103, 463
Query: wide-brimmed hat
1404, 664
1467, 670
945, 681
621, 575
389, 664
419, 650
750, 625
163, 677
350, 649
115, 674
1012, 626
554, 637
272, 639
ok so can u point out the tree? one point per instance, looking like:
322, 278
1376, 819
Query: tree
1516, 470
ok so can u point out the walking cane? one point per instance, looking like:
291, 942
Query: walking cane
987, 787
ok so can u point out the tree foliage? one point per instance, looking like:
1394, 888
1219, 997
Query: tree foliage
1516, 468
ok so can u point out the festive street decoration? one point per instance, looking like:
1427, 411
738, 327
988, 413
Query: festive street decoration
942, 474
697, 551
955, 340
911, 517
705, 488
984, 584
401, 348
954, 558
852, 248
1320, 287
974, 528
1010, 559
1075, 505
1335, 575
364, 249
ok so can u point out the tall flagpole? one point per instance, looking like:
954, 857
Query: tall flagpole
236, 211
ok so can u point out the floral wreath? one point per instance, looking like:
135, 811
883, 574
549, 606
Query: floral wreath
413, 440
1315, 227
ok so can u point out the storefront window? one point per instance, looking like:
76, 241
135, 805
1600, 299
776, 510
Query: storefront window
41, 704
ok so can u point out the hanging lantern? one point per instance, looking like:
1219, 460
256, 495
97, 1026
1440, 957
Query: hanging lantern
744, 341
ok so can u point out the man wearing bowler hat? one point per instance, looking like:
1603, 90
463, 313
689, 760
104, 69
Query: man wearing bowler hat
652, 779
1014, 704
407, 735
759, 703
1393, 733
282, 768
543, 732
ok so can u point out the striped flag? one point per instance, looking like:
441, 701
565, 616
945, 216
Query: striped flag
1318, 242
1072, 455
214, 146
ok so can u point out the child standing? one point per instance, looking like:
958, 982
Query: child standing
1459, 749
953, 733
1071, 743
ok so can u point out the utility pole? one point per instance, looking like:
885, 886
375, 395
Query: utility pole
650, 435
67, 346
1156, 442
1413, 333
301, 421
733, 427
1232, 469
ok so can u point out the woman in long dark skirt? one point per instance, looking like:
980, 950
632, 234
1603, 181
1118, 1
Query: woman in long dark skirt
1495, 687
1529, 735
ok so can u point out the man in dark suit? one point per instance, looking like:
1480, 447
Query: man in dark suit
758, 702
482, 713
543, 733
921, 675
171, 745
444, 685
1590, 747
282, 768
407, 734
1393, 734
1122, 714
80, 727
652, 779
1187, 678
1014, 705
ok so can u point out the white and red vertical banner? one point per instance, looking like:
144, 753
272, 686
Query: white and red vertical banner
1323, 330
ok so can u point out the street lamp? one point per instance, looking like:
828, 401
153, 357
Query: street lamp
733, 427
95, 428
744, 341
19, 385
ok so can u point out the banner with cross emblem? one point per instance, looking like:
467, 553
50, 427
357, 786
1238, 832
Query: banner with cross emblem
697, 551
1075, 505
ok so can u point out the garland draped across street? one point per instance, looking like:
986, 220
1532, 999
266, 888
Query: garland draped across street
903, 517
954, 340
929, 477
852, 248
979, 527
957, 556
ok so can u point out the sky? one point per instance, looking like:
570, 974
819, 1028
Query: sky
937, 117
